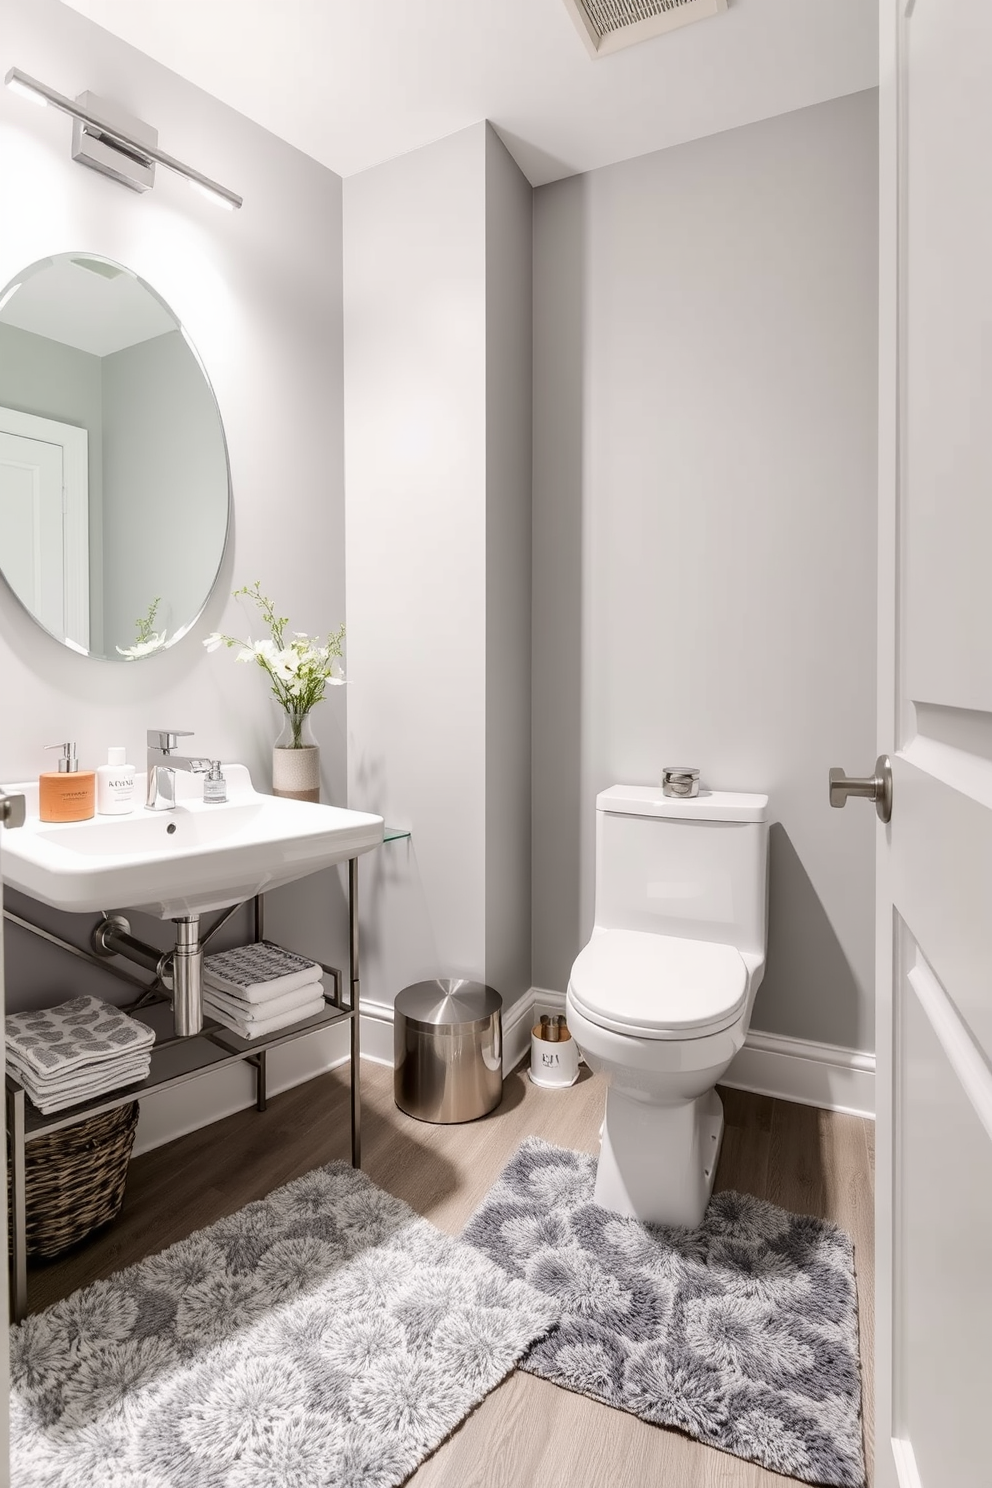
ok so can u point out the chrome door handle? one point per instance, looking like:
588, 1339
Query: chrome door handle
11, 810
877, 788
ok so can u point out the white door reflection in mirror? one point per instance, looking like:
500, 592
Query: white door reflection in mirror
44, 536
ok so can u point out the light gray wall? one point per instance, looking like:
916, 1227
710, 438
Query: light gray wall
45, 377
163, 458
437, 467
415, 447
260, 293
509, 275
704, 552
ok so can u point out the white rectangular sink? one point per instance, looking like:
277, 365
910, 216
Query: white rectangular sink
197, 857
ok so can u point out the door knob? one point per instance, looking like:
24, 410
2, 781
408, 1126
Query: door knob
877, 787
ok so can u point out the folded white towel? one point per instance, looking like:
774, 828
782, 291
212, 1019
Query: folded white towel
258, 1028
256, 972
82, 1032
272, 1007
50, 1101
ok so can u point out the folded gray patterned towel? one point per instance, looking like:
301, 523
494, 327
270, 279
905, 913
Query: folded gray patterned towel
48, 1042
257, 972
136, 1065
71, 1090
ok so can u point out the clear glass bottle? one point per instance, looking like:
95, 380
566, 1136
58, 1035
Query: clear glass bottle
215, 786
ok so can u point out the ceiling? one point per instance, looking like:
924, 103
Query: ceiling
356, 82
77, 302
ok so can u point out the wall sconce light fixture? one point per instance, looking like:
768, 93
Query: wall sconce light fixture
107, 139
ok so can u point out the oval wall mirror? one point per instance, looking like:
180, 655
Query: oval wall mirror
115, 488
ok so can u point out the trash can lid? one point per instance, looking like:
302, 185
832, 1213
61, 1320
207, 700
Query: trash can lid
449, 1002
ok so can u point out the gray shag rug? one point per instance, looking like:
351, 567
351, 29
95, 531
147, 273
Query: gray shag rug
741, 1333
323, 1336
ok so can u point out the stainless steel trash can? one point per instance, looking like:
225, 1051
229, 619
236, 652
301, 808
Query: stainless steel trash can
448, 1047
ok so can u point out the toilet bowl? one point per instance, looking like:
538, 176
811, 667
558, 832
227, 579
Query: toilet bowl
660, 998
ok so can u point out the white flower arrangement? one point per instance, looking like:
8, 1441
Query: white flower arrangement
298, 669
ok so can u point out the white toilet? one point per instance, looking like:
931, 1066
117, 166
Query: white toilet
660, 998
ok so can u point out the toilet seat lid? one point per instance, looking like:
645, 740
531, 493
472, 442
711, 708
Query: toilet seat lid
659, 985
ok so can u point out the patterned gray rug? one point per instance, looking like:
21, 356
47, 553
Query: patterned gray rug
323, 1336
742, 1333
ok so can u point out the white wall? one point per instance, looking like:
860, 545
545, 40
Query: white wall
260, 293
435, 518
415, 425
704, 536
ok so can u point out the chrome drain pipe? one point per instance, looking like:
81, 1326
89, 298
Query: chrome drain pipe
187, 977
180, 970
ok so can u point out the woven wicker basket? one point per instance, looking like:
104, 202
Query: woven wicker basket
75, 1179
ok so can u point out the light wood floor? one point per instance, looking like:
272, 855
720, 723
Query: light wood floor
527, 1433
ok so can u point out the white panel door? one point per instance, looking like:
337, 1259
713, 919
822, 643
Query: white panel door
31, 536
934, 1138
45, 521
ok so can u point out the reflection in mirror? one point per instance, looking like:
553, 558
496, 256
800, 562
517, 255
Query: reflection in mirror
114, 481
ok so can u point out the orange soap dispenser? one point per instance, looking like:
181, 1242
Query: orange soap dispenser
67, 794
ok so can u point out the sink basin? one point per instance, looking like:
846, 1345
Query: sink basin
198, 857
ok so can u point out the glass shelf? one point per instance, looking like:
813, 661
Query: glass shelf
394, 834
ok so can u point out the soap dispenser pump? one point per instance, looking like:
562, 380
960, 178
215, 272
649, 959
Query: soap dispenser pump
67, 794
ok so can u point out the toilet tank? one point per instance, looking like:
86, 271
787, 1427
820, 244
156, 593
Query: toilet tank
695, 868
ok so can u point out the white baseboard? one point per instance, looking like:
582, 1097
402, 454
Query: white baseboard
811, 1074
377, 1033
518, 1019
905, 1461
769, 1064
173, 1113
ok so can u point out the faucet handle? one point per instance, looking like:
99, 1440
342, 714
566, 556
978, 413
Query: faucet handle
165, 739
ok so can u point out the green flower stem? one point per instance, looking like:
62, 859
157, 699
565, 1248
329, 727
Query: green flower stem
314, 660
143, 626
296, 721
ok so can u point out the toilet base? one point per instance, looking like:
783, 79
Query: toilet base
657, 1162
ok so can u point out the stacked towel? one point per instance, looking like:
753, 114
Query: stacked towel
80, 1049
258, 989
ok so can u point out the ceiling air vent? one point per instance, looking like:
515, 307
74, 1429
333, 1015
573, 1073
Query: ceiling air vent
607, 25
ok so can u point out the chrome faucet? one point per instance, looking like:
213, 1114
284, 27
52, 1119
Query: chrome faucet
163, 764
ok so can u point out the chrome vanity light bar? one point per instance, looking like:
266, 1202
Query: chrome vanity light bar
29, 87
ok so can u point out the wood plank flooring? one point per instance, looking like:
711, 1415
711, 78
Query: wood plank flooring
527, 1432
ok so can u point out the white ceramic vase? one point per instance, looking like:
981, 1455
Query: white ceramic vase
296, 760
